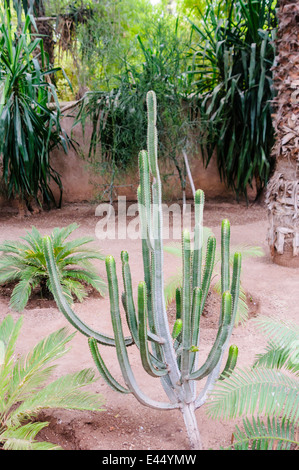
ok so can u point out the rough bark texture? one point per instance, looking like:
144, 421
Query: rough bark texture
45, 30
283, 188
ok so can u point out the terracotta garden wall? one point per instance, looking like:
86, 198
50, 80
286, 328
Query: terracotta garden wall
81, 183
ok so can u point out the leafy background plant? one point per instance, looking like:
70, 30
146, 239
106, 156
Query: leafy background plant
118, 113
267, 392
29, 128
25, 387
232, 70
23, 262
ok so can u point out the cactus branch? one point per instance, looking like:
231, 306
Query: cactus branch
143, 341
121, 349
103, 369
63, 305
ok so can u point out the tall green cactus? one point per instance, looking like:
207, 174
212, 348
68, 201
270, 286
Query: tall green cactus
170, 356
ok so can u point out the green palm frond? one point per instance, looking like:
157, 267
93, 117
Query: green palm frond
23, 438
26, 264
21, 293
64, 392
270, 435
260, 390
25, 388
89, 277
269, 389
283, 345
74, 288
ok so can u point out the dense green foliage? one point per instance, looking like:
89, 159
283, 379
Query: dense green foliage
118, 114
25, 388
267, 392
226, 67
29, 129
211, 74
24, 263
232, 60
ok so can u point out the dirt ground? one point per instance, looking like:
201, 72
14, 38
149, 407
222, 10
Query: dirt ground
125, 424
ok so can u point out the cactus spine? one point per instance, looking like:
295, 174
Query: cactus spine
173, 356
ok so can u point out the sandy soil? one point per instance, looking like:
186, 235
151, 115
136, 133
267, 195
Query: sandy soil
125, 424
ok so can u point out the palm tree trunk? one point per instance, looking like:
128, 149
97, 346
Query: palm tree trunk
283, 188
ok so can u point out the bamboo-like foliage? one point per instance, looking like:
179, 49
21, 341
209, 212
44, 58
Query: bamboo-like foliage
170, 356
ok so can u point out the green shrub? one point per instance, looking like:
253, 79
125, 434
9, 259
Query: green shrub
29, 127
25, 389
233, 62
268, 392
24, 262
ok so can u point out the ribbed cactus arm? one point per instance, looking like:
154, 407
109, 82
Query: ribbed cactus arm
196, 314
230, 363
225, 265
144, 198
198, 238
217, 349
63, 305
99, 362
128, 297
146, 360
152, 137
121, 349
186, 304
235, 285
208, 270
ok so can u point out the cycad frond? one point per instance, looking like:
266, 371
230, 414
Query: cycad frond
23, 438
88, 277
260, 390
25, 387
21, 293
34, 238
283, 344
31, 371
75, 288
73, 246
27, 265
62, 393
60, 234
275, 434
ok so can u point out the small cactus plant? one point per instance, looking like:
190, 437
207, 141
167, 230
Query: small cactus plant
172, 356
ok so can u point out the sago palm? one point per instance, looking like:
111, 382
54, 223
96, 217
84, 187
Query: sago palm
268, 392
24, 262
25, 388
